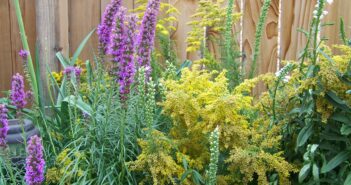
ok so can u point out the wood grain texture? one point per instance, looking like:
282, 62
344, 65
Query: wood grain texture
46, 40
5, 46
84, 16
186, 9
338, 9
62, 27
295, 15
267, 60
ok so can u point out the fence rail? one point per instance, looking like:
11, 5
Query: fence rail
76, 18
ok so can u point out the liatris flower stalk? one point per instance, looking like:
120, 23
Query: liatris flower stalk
18, 96
4, 126
214, 149
34, 162
24, 54
126, 67
146, 36
104, 29
122, 49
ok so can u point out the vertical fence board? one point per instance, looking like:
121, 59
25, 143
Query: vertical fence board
84, 17
186, 9
5, 46
337, 9
62, 27
295, 15
29, 19
267, 60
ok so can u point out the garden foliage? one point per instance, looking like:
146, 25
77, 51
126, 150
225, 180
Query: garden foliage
134, 116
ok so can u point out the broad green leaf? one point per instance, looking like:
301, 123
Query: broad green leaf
315, 172
79, 103
348, 179
62, 59
341, 117
336, 101
81, 47
304, 172
304, 134
90, 72
336, 161
345, 129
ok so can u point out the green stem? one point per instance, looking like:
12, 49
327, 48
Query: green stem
258, 36
26, 47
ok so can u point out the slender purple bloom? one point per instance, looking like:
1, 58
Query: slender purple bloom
146, 36
127, 67
35, 162
23, 53
18, 96
104, 29
4, 125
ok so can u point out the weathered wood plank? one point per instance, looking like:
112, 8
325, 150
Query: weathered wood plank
187, 9
62, 27
84, 17
295, 14
336, 10
5, 46
267, 60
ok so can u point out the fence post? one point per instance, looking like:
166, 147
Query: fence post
46, 42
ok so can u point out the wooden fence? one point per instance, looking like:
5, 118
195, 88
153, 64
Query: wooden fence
76, 18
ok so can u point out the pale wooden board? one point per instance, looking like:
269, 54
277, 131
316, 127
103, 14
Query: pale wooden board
5, 46
187, 9
338, 9
84, 16
62, 27
295, 14
267, 60
29, 19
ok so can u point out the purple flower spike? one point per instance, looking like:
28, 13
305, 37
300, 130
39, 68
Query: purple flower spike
127, 67
35, 162
18, 96
104, 29
4, 125
23, 53
146, 36
122, 49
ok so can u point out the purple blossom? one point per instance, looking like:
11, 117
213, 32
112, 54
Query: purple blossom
18, 96
104, 29
122, 46
4, 125
146, 36
23, 53
35, 162
68, 71
127, 66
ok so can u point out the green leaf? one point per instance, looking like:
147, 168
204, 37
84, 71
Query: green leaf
90, 72
336, 161
336, 101
304, 134
81, 47
341, 117
315, 172
185, 175
304, 172
79, 103
62, 59
348, 179
345, 129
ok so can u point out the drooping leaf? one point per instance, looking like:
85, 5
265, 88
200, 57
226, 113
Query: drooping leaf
304, 134
336, 161
304, 172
